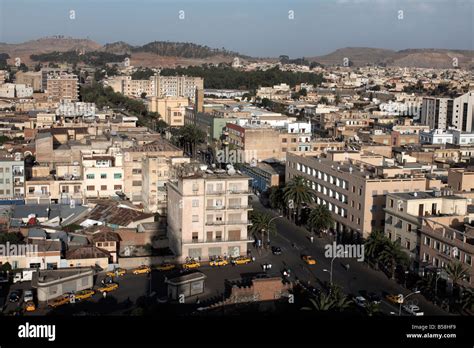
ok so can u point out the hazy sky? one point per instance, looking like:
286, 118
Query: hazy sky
253, 27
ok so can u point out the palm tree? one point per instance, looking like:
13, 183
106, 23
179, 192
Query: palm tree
275, 195
297, 192
457, 272
371, 308
427, 284
321, 303
261, 223
191, 136
467, 300
320, 218
393, 255
373, 245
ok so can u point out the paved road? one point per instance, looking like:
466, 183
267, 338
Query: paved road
358, 279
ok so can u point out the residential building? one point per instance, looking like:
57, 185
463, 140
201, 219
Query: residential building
170, 109
12, 178
208, 214
63, 86
176, 86
461, 179
103, 174
31, 78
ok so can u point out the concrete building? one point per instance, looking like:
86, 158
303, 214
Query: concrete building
353, 186
208, 214
12, 178
31, 78
14, 90
461, 179
441, 113
405, 212
170, 109
177, 86
103, 174
63, 86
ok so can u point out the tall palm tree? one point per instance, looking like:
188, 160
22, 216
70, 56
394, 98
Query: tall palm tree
298, 192
373, 246
457, 272
427, 284
321, 303
275, 196
393, 255
261, 224
320, 218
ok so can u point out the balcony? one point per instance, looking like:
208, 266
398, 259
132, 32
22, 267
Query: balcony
239, 222
194, 241
238, 207
215, 193
215, 207
237, 192
215, 223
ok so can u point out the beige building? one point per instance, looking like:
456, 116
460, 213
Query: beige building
103, 174
63, 86
176, 86
405, 212
34, 79
461, 180
170, 109
353, 187
208, 215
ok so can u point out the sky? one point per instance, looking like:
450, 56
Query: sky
263, 28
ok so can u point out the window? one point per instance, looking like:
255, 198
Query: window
117, 187
103, 176
427, 241
218, 236
195, 237
136, 183
118, 176
90, 176
103, 187
195, 203
90, 188
195, 218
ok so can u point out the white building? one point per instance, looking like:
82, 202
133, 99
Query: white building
451, 136
103, 174
75, 109
12, 90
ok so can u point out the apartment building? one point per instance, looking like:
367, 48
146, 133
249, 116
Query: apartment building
405, 212
103, 174
63, 86
461, 179
208, 214
177, 86
353, 186
445, 242
12, 178
31, 78
441, 113
170, 109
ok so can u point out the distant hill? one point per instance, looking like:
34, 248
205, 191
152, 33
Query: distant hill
421, 58
172, 54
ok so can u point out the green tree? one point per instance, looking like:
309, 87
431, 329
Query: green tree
262, 224
320, 218
191, 137
297, 193
275, 195
373, 245
392, 255
456, 272
372, 308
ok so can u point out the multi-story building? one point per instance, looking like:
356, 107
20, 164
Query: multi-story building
405, 212
441, 113
353, 186
445, 242
12, 178
30, 78
177, 86
461, 179
170, 109
208, 214
103, 174
63, 86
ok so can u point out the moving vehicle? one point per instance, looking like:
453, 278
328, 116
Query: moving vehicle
276, 250
142, 270
28, 296
360, 301
309, 260
165, 267
59, 301
15, 296
413, 310
118, 272
30, 306
84, 294
23, 276
191, 265
396, 299
242, 260
108, 288
219, 262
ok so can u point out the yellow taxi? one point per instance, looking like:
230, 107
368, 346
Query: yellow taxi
108, 287
142, 270
116, 272
396, 299
30, 306
59, 301
218, 262
309, 260
242, 260
191, 265
165, 267
84, 294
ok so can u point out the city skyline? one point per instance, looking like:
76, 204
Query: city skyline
440, 24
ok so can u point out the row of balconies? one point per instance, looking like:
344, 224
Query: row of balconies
221, 192
216, 240
233, 222
229, 207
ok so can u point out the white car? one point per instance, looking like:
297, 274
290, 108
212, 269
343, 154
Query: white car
28, 296
360, 301
413, 310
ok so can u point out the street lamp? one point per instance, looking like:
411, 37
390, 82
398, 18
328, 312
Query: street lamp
403, 298
268, 226
330, 272
438, 275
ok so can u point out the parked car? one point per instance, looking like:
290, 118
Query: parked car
142, 270
30, 306
309, 260
108, 288
15, 296
62, 300
28, 296
118, 272
191, 265
165, 267
84, 294
242, 260
218, 262
276, 250
395, 299
413, 310
360, 301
